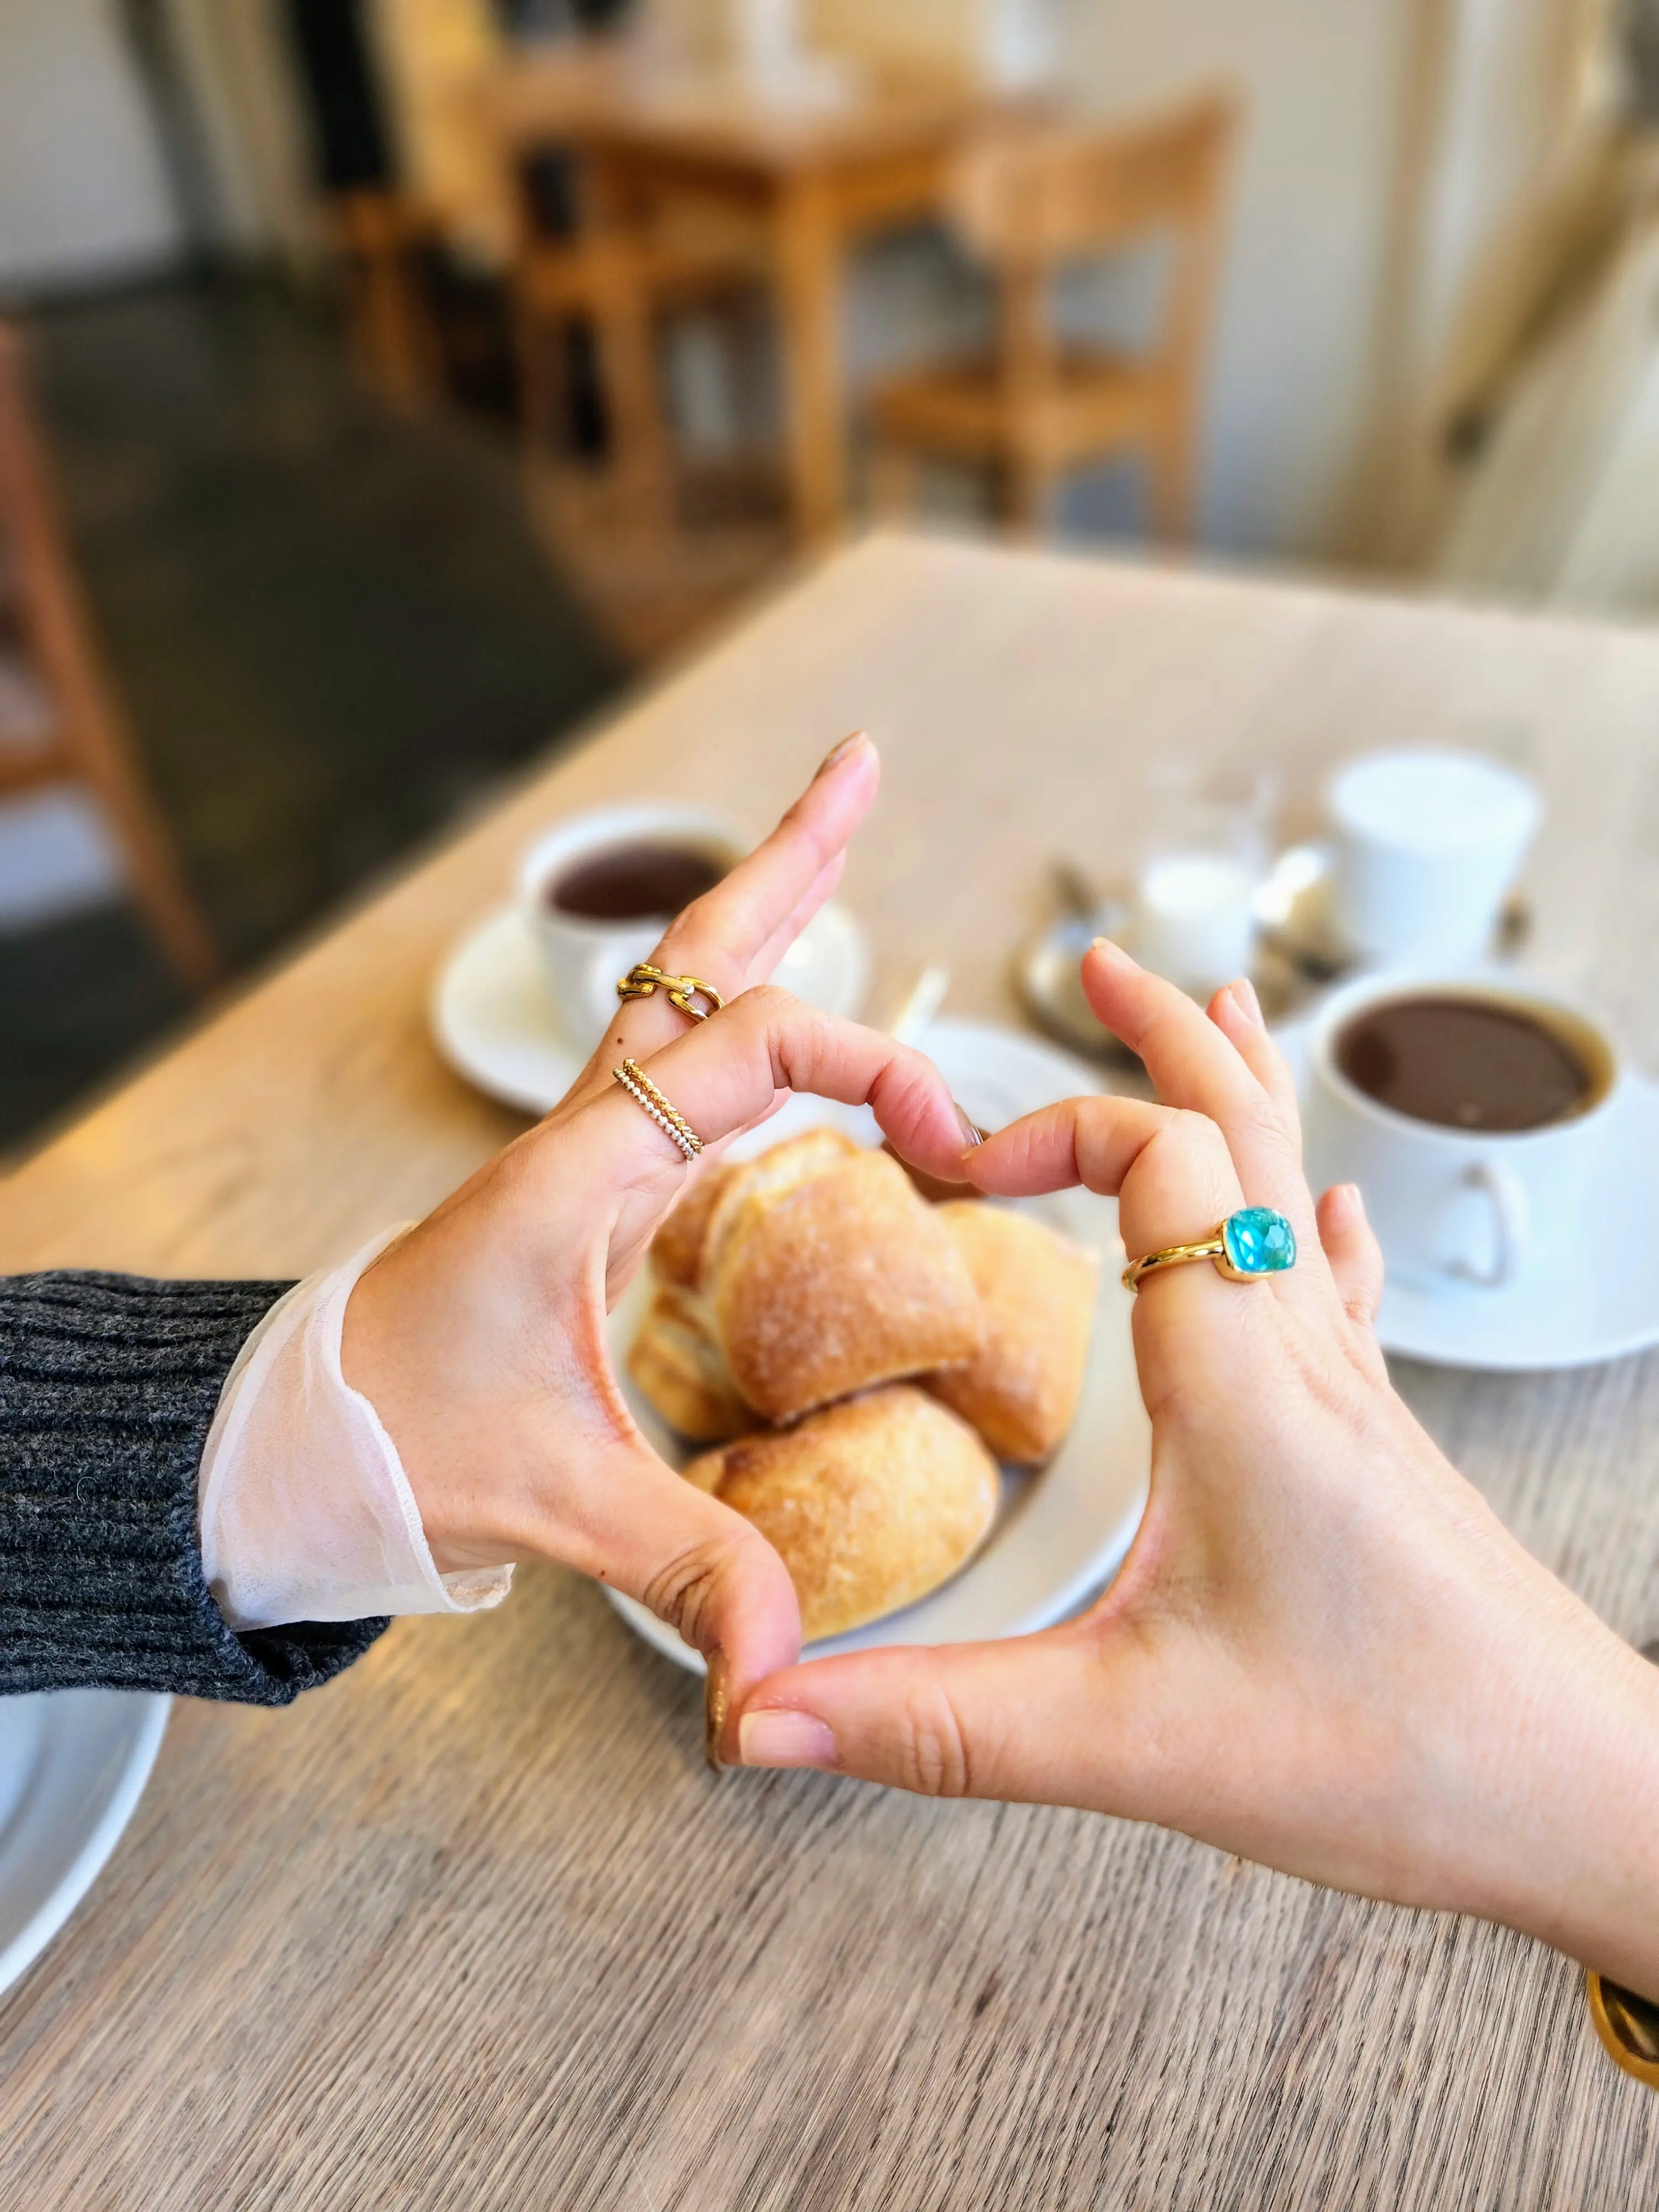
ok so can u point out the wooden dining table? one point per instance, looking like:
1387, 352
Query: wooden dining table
813, 175
474, 1926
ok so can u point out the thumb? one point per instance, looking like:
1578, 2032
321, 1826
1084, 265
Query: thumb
697, 1566
1031, 1718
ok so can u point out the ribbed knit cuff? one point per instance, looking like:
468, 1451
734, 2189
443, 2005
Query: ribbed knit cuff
108, 1384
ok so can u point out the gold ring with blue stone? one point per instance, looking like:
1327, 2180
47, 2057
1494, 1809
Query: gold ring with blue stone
1248, 1247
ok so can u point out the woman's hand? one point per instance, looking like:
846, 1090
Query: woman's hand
480, 1337
1323, 1651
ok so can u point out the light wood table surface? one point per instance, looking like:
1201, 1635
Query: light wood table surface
473, 1927
815, 178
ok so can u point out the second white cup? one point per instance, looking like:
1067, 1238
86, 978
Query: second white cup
1482, 1209
1427, 844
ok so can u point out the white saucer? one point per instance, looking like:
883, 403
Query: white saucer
73, 1766
1586, 1308
495, 1022
1062, 1534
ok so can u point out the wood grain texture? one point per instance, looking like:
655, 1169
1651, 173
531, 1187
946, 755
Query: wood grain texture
473, 1927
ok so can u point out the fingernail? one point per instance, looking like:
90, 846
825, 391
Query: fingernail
715, 1693
972, 1134
1104, 946
784, 1738
1243, 994
1351, 1200
838, 753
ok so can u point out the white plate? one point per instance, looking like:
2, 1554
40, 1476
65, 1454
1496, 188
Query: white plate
1062, 1534
1593, 1306
73, 1765
494, 1021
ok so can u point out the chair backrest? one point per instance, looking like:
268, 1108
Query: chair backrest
1050, 196
1032, 201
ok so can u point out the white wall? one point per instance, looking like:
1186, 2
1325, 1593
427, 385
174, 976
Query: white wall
1293, 377
82, 191
1508, 118
235, 59
1294, 382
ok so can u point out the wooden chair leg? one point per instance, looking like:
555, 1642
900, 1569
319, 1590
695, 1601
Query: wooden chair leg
90, 742
101, 749
640, 443
894, 481
1170, 481
1028, 485
389, 321
541, 385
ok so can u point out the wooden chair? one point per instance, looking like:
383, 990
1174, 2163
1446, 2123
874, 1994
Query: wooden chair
64, 726
617, 269
1030, 205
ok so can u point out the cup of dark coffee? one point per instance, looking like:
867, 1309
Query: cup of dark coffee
1469, 1112
598, 892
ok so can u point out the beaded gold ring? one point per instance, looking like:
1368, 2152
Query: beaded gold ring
649, 1100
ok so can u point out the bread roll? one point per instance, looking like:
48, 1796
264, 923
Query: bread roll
825, 1279
1037, 1292
675, 1362
679, 1371
870, 1505
764, 1180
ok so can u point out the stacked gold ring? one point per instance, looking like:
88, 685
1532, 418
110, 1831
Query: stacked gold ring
1628, 2026
649, 1100
643, 979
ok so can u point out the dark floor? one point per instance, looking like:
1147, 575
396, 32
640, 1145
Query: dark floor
331, 628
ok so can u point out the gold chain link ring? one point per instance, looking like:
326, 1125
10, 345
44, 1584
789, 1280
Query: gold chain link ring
643, 979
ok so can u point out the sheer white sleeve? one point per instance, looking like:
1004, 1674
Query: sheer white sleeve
306, 1511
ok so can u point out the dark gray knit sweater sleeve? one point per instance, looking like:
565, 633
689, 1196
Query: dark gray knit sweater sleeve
108, 1385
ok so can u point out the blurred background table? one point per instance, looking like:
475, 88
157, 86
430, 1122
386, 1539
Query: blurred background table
474, 1926
865, 154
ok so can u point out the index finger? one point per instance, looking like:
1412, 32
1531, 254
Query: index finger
1195, 1064
735, 934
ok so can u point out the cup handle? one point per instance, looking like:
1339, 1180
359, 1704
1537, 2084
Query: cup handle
1508, 1199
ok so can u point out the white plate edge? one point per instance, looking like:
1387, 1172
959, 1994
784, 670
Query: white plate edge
89, 1862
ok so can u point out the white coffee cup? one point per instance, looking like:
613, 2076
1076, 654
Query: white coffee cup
1426, 845
582, 958
1481, 1208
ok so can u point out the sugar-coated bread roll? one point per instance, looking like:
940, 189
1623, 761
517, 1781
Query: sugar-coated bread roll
1038, 1290
769, 1175
870, 1505
825, 1274
679, 1371
676, 1247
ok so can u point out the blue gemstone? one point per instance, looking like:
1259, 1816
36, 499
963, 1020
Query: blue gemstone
1259, 1242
